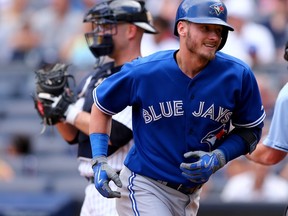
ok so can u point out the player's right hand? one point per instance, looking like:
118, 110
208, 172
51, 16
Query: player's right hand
103, 173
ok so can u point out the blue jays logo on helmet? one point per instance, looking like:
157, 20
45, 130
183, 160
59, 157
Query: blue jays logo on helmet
204, 12
217, 8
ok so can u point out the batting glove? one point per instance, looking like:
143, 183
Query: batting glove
103, 173
205, 165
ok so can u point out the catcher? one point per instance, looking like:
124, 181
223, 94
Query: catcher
118, 27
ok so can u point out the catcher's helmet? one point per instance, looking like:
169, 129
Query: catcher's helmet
204, 12
107, 14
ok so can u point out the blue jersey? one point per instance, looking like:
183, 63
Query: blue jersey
174, 114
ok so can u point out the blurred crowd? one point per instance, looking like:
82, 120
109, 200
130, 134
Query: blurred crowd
33, 32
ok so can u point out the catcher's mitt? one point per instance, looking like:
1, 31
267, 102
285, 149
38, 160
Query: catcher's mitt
53, 94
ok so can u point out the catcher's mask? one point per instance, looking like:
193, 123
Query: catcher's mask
204, 12
104, 17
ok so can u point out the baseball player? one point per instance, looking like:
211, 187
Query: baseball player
118, 27
183, 102
275, 146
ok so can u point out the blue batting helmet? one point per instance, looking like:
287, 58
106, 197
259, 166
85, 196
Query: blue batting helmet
204, 12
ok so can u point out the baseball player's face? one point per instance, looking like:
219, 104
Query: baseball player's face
121, 39
203, 39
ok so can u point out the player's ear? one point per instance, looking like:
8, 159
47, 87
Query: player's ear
182, 28
132, 31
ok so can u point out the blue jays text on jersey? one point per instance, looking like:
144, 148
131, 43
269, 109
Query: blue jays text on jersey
174, 114
175, 108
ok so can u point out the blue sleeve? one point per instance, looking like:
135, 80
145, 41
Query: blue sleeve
114, 93
249, 108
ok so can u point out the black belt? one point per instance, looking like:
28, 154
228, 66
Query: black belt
180, 187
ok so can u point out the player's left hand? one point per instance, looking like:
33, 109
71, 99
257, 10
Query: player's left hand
103, 173
205, 165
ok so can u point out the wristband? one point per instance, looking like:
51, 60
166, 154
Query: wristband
71, 114
99, 144
73, 111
